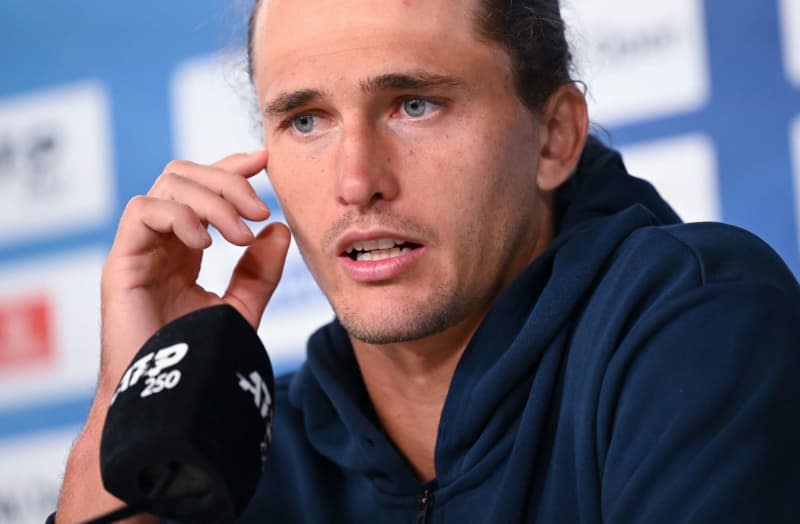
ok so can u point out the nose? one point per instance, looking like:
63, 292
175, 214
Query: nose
364, 173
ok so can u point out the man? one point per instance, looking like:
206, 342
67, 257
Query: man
524, 332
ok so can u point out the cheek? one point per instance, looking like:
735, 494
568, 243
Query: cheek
296, 178
510, 162
490, 184
473, 170
301, 194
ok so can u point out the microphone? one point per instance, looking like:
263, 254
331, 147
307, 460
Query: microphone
188, 427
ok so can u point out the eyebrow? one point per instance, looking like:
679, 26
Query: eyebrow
401, 81
289, 101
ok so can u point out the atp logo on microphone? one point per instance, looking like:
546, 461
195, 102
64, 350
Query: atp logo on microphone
256, 386
152, 366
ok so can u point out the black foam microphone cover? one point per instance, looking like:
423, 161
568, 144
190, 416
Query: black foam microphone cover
188, 428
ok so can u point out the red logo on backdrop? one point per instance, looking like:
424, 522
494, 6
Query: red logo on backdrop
26, 332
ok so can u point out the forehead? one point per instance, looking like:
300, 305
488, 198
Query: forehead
288, 33
290, 19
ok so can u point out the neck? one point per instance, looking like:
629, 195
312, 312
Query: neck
407, 383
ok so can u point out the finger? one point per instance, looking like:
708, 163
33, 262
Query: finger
146, 219
210, 207
247, 164
230, 186
258, 272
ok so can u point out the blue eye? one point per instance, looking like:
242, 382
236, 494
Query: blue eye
303, 124
415, 107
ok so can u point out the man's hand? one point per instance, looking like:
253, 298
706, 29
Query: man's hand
150, 278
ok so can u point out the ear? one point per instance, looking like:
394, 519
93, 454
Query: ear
564, 123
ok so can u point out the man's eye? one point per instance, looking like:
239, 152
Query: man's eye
416, 107
303, 124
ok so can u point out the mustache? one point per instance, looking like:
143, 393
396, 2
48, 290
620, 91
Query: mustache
354, 220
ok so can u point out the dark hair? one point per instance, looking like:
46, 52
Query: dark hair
533, 34
531, 31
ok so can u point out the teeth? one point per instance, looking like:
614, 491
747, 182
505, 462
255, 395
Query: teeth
381, 254
372, 245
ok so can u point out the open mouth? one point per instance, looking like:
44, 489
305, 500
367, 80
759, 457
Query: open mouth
371, 250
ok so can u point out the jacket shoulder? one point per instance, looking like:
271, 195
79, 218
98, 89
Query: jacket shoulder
718, 253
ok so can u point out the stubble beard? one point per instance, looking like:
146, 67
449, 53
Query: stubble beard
408, 321
443, 307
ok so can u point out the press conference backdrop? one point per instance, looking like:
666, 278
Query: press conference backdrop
96, 96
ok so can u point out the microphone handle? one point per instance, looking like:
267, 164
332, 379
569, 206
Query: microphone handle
132, 509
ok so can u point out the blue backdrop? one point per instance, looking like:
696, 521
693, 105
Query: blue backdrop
129, 52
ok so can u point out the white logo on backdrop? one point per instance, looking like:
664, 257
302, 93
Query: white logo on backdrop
55, 162
70, 282
214, 112
684, 170
640, 60
790, 25
31, 475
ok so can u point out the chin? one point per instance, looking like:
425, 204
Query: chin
404, 322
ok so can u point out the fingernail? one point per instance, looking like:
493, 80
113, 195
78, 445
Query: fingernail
260, 202
246, 230
204, 236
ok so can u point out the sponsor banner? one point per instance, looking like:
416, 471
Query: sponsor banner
795, 142
33, 466
684, 170
640, 60
26, 332
56, 172
790, 25
296, 310
49, 327
214, 112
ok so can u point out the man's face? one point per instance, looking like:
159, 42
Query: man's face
403, 161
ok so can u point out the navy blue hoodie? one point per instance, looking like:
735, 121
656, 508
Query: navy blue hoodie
640, 370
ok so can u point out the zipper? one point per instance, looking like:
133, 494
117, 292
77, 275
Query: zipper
425, 500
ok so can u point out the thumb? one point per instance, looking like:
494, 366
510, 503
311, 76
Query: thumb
258, 272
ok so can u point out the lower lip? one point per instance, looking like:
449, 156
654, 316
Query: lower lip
371, 271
